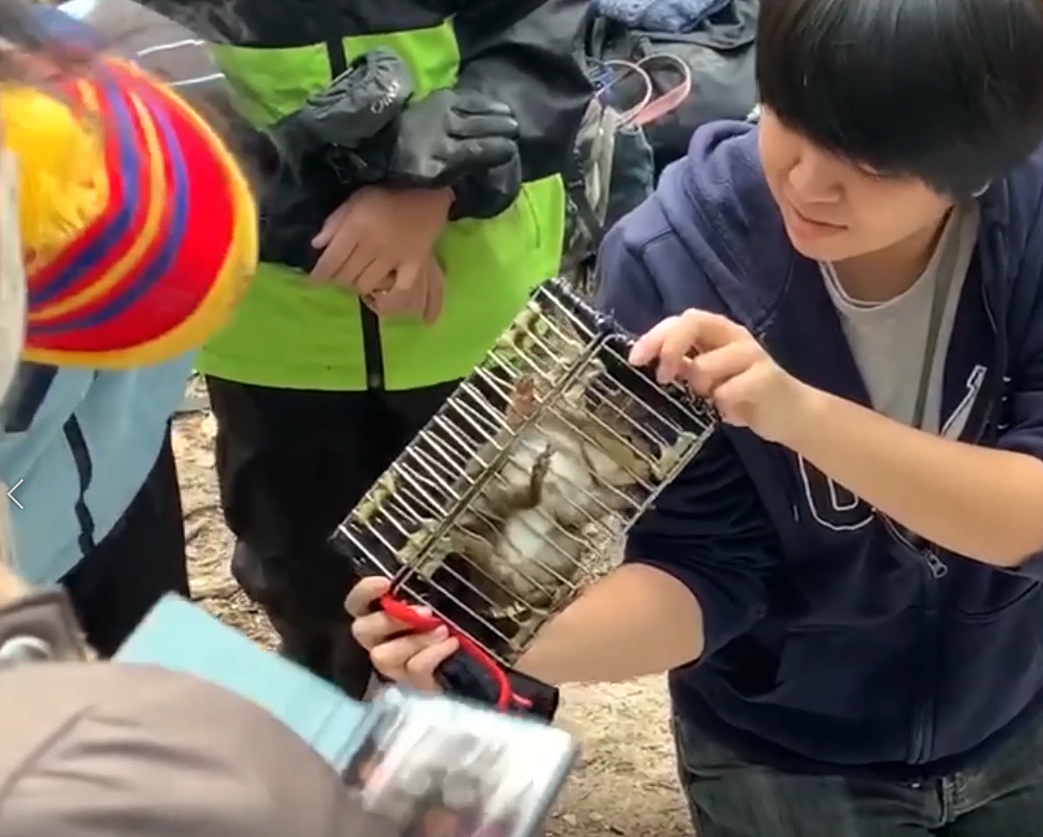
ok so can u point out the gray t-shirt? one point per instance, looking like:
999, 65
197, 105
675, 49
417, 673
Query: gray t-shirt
890, 340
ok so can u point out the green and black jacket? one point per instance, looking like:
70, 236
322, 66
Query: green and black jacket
522, 52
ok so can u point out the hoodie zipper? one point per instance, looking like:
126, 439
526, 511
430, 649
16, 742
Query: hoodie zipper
936, 569
372, 350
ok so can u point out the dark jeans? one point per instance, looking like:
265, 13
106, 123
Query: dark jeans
731, 798
291, 465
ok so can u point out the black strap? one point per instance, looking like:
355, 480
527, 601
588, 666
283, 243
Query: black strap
944, 278
372, 350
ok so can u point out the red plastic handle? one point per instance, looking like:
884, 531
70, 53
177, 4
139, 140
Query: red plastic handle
403, 612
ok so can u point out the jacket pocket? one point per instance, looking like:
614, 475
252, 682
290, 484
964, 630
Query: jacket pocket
831, 670
990, 668
982, 593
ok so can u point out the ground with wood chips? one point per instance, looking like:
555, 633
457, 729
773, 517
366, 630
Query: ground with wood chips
625, 783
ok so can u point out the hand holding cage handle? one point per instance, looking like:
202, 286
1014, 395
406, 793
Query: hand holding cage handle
473, 674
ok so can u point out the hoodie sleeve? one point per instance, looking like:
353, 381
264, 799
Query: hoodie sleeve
525, 53
1023, 403
708, 529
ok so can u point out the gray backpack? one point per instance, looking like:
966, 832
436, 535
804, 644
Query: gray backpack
613, 167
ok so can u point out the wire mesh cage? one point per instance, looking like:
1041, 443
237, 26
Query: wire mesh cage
503, 507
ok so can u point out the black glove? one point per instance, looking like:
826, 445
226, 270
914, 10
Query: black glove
358, 105
318, 165
450, 136
294, 203
487, 194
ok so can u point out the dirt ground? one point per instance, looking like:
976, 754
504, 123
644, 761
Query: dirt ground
625, 782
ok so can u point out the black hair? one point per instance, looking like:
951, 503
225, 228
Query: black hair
947, 91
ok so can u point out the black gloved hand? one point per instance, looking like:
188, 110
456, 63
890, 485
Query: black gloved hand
358, 105
486, 194
450, 136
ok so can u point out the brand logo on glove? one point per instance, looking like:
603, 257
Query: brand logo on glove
389, 98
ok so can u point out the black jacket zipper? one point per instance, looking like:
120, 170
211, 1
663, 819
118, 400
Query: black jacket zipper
372, 350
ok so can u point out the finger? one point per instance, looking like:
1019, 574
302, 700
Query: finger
434, 270
407, 275
674, 339
372, 302
364, 595
362, 260
435, 296
712, 330
681, 341
732, 398
487, 153
394, 658
413, 301
378, 627
481, 126
330, 226
420, 670
342, 246
709, 370
647, 347
377, 275
467, 103
390, 304
669, 343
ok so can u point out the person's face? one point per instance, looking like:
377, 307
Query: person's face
834, 209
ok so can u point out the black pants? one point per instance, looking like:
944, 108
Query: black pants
291, 465
141, 558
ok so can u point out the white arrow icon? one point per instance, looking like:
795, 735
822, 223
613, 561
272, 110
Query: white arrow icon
11, 491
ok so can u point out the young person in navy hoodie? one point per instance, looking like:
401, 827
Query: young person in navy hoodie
845, 585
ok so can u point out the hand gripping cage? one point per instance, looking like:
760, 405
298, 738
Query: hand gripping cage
515, 494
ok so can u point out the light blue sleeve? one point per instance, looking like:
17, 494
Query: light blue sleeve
88, 442
180, 636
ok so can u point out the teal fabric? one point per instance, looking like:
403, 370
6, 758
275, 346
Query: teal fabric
179, 636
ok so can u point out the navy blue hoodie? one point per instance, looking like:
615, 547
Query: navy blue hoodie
834, 644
